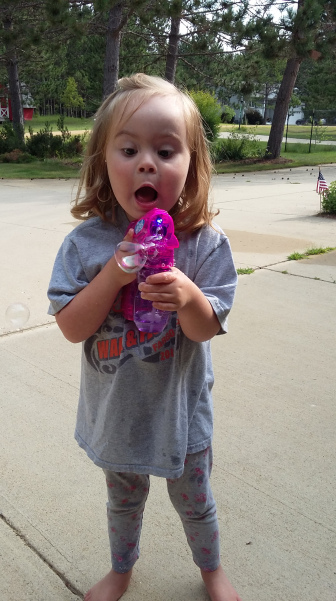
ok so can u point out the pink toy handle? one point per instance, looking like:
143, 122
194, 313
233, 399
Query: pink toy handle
151, 251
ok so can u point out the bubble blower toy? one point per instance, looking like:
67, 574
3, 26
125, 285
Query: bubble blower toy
152, 251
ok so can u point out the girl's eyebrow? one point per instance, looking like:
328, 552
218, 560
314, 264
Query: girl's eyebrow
162, 134
124, 132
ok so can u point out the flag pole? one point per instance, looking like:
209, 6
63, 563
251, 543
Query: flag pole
321, 186
320, 192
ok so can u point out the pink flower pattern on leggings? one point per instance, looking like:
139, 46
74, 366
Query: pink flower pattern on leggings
192, 498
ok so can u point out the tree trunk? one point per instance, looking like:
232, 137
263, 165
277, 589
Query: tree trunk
14, 86
15, 95
281, 108
111, 64
265, 103
172, 53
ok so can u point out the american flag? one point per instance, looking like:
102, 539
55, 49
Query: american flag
321, 185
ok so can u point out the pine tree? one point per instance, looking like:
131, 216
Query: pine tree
21, 26
311, 30
70, 97
24, 25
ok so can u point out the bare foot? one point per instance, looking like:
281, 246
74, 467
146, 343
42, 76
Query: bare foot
110, 588
218, 586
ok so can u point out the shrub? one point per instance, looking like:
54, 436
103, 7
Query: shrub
329, 199
228, 114
73, 146
16, 156
253, 117
45, 145
236, 148
63, 128
210, 110
8, 138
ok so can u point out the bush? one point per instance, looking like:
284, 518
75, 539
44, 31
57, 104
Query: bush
329, 199
236, 148
45, 145
66, 135
253, 117
16, 156
210, 110
228, 114
73, 146
8, 138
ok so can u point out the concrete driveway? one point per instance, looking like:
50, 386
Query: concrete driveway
274, 445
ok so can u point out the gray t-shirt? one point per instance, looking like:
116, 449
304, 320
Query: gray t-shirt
145, 399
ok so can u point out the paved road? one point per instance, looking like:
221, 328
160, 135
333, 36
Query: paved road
274, 403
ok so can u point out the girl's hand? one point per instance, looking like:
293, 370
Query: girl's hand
168, 290
174, 291
85, 313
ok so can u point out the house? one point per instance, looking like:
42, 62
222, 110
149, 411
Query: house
258, 104
6, 106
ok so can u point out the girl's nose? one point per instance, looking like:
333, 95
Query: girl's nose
147, 165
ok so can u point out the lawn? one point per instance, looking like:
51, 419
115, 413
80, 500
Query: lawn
296, 155
82, 124
72, 123
47, 169
294, 131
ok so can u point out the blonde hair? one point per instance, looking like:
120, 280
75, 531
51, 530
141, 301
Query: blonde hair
95, 196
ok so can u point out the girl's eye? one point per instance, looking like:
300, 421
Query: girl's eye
129, 151
165, 153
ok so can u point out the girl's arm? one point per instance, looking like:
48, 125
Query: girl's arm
85, 313
174, 291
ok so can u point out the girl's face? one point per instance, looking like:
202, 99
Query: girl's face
148, 157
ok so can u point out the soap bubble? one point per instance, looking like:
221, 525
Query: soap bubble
17, 315
130, 256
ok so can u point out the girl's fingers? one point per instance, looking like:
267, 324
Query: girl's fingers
165, 306
156, 297
129, 235
151, 289
163, 277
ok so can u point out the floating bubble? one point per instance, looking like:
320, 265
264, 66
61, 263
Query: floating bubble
17, 315
130, 256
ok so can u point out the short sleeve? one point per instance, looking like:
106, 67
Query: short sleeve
68, 277
217, 277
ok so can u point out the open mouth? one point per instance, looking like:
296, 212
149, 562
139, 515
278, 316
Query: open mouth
146, 194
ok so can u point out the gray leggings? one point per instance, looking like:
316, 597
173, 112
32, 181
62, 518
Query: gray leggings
192, 498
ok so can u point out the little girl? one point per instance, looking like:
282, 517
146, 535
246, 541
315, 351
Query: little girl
145, 399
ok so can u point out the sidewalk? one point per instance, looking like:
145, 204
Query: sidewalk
274, 399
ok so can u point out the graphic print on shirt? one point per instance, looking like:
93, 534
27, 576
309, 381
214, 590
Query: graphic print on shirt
118, 341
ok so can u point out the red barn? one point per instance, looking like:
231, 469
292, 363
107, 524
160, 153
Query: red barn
6, 107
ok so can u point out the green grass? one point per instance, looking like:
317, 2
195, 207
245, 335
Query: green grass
294, 131
72, 123
311, 251
78, 124
246, 270
48, 169
297, 155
